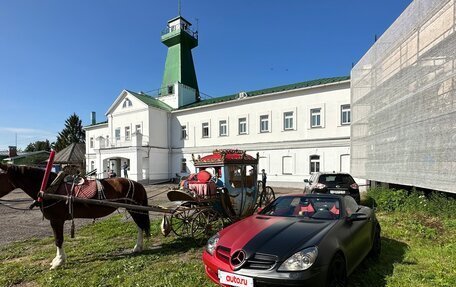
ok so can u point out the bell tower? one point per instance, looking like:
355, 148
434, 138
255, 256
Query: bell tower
179, 78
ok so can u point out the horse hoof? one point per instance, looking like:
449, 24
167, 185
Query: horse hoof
137, 249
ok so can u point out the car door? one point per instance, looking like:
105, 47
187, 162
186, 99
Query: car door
358, 240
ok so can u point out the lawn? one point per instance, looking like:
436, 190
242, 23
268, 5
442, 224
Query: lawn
418, 249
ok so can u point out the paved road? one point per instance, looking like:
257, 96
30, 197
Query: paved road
20, 225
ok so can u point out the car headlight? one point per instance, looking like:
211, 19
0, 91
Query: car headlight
212, 244
301, 260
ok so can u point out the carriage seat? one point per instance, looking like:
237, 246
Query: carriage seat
201, 184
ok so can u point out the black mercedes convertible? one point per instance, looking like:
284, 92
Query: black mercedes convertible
314, 239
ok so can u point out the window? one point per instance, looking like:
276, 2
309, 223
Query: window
127, 133
345, 116
170, 90
126, 103
92, 165
184, 165
242, 126
264, 124
314, 163
117, 134
138, 129
315, 118
205, 131
287, 165
288, 121
91, 143
107, 140
184, 133
223, 128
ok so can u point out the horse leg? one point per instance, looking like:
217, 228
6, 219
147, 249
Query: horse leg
143, 222
60, 257
139, 241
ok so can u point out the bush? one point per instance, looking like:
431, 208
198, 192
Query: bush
387, 199
435, 203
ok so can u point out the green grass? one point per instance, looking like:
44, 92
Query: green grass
418, 249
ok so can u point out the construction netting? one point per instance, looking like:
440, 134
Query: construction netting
403, 101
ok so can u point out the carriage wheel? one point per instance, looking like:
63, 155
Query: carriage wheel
205, 223
181, 220
267, 195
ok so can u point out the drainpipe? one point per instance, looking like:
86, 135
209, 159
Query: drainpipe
168, 132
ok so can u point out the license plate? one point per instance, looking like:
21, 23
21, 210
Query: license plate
337, 191
234, 279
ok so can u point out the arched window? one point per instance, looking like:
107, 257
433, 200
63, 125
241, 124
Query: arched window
126, 103
314, 163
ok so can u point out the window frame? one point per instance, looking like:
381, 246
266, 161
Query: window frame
184, 133
288, 118
267, 130
315, 113
117, 134
127, 133
345, 111
223, 126
127, 103
205, 127
314, 163
242, 122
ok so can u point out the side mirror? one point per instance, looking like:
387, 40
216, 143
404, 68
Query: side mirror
259, 209
306, 180
356, 217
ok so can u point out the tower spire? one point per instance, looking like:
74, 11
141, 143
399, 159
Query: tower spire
179, 7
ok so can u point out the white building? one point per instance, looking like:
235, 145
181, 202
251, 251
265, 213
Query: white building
297, 129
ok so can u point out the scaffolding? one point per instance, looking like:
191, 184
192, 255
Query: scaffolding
404, 103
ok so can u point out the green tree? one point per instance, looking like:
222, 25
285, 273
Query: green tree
71, 133
38, 145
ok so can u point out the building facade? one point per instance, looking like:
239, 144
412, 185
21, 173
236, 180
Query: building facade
404, 101
296, 129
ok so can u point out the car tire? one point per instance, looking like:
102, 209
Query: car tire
374, 253
337, 272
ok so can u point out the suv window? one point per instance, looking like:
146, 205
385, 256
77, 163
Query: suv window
331, 180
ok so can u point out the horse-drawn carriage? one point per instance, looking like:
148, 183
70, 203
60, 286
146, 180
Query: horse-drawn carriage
224, 189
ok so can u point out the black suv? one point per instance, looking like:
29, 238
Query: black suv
334, 183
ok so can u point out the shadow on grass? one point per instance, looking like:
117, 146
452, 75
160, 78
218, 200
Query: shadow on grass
177, 246
374, 273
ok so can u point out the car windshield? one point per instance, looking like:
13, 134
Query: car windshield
302, 206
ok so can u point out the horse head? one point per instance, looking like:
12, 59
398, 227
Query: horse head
24, 177
5, 184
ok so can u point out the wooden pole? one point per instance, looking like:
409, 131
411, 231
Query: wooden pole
109, 203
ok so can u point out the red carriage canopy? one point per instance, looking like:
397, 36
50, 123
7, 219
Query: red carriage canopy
225, 156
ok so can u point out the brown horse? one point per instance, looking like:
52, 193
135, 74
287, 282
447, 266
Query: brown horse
57, 212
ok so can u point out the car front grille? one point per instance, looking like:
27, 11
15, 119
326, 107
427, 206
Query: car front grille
261, 262
258, 262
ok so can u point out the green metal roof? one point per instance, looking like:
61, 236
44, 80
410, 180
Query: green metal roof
299, 85
95, 124
150, 101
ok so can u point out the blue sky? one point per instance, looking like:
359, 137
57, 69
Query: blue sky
59, 57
